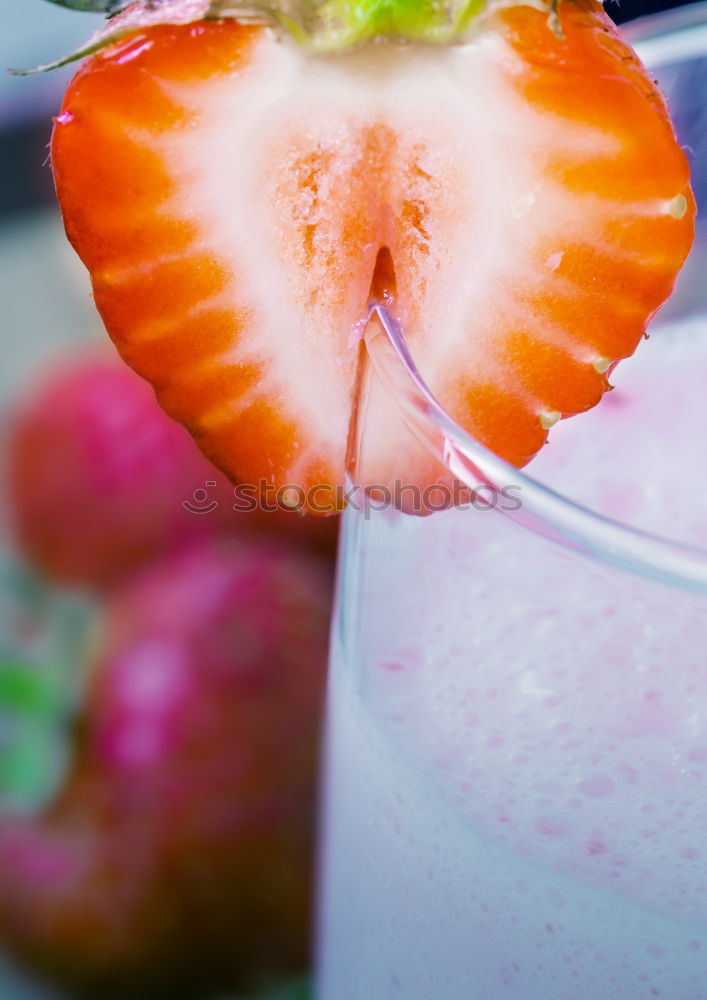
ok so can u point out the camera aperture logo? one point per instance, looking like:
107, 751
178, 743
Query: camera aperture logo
200, 502
322, 499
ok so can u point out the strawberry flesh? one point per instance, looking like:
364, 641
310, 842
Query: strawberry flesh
231, 193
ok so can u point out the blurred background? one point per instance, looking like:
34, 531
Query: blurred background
162, 658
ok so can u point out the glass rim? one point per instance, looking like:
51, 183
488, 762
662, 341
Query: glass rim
543, 510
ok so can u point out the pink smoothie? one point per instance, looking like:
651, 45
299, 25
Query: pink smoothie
517, 795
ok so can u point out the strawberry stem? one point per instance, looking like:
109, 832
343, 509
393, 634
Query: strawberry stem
333, 25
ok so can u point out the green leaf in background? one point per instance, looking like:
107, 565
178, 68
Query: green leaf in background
44, 637
29, 690
33, 711
31, 767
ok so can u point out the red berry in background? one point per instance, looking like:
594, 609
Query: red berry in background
98, 474
178, 854
99, 477
85, 895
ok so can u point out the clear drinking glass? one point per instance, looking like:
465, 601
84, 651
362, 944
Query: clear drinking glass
516, 778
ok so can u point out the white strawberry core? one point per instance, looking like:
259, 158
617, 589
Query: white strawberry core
300, 168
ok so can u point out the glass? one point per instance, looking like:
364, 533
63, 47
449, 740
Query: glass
516, 780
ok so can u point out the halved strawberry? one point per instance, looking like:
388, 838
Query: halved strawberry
231, 191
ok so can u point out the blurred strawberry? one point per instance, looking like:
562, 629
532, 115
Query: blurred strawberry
178, 856
98, 474
76, 888
101, 480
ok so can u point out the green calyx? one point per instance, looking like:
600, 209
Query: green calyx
333, 25
318, 25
